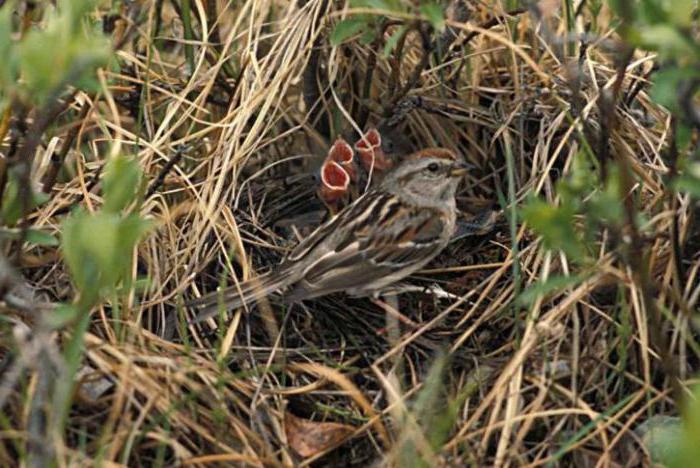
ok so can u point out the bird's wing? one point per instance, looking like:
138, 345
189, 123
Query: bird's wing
377, 242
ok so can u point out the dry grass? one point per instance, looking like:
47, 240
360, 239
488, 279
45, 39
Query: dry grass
564, 381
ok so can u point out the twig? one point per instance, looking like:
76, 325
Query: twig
25, 157
638, 85
691, 112
495, 21
395, 76
57, 159
675, 229
637, 256
164, 171
88, 188
458, 12
428, 48
319, 118
16, 136
4, 165
212, 18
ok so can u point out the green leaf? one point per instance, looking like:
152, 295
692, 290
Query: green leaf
651, 12
582, 178
368, 36
8, 71
660, 435
684, 136
434, 412
668, 41
131, 229
121, 183
434, 14
41, 238
89, 247
98, 248
666, 85
12, 203
66, 51
686, 450
347, 29
681, 12
688, 183
390, 44
556, 226
605, 205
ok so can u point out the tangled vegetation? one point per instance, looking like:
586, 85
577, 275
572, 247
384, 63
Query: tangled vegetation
152, 151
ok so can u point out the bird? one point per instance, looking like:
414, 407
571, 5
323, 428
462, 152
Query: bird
386, 234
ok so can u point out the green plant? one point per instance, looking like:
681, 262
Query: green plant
98, 250
50, 55
41, 65
364, 25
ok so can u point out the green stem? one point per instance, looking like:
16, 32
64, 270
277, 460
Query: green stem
569, 12
185, 11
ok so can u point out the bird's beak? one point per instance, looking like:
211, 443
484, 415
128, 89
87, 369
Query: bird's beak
459, 168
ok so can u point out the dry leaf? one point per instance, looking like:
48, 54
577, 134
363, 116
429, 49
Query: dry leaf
309, 438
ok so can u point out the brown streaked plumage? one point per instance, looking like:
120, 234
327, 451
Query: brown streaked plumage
382, 237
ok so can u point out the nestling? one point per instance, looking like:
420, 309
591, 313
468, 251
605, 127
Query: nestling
382, 237
338, 172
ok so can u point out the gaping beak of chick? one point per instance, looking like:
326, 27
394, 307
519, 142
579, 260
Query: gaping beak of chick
369, 148
335, 182
341, 152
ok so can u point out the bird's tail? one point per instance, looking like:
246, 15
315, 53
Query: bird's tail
236, 296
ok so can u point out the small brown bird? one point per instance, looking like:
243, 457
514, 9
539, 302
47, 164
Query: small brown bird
383, 236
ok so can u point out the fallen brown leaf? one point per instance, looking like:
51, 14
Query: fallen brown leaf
309, 438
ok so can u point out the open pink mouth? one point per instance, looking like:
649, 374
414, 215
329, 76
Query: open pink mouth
342, 153
369, 147
334, 181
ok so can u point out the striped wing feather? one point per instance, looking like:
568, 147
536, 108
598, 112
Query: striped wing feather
379, 241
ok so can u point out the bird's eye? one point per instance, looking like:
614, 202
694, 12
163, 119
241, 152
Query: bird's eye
433, 167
